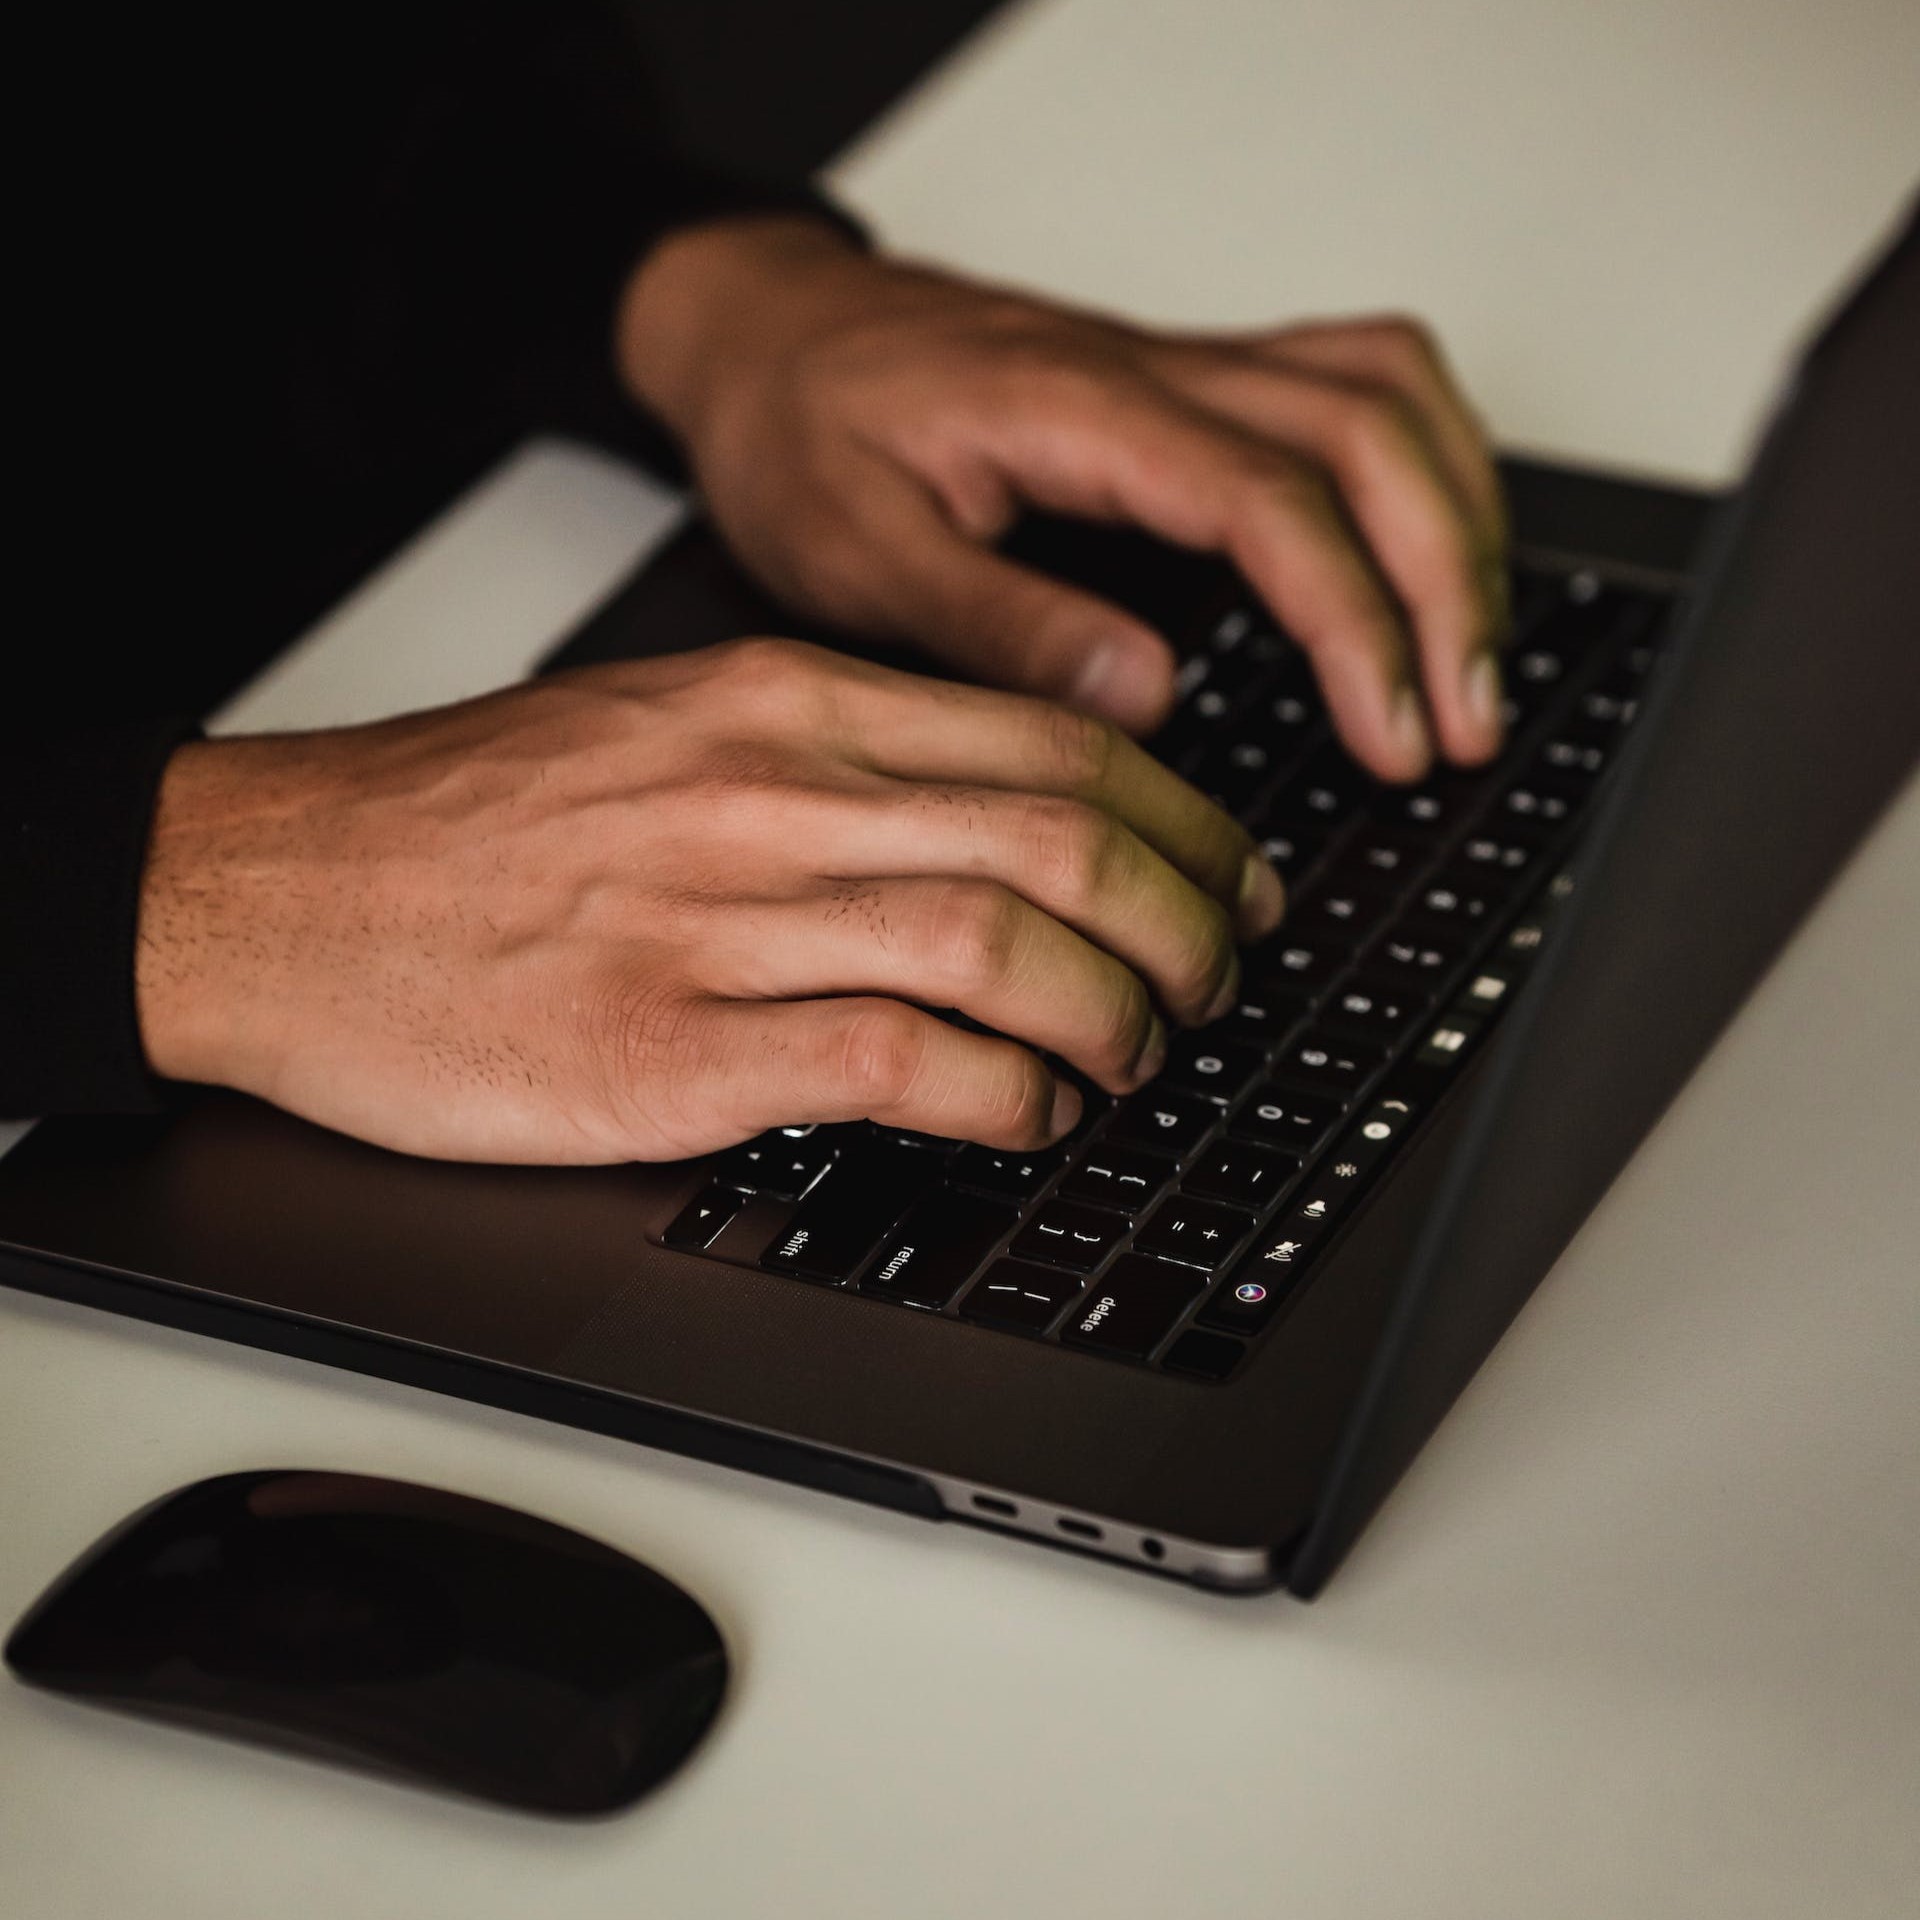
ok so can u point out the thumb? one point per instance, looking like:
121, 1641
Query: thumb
1014, 627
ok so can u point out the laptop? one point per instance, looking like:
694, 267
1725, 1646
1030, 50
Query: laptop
1205, 1336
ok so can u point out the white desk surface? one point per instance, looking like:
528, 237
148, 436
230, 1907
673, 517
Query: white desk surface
1639, 1634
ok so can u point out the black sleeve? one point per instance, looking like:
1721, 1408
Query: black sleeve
514, 175
75, 811
356, 228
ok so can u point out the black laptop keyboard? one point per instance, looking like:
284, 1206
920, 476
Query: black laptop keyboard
1181, 1222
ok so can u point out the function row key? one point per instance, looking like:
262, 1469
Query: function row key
1261, 1286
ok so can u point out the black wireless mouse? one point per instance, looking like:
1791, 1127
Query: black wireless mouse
390, 1627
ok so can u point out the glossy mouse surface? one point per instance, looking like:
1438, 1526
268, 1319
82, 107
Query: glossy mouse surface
390, 1627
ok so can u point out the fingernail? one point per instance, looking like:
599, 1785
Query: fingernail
1067, 1106
1115, 682
1409, 726
1263, 898
1482, 690
1229, 993
1093, 684
1153, 1056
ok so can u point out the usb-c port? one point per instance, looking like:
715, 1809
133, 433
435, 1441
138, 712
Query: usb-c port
1080, 1529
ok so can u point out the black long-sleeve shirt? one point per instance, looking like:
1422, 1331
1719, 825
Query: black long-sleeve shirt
295, 277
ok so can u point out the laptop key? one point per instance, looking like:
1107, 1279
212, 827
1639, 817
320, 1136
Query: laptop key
698, 1224
1123, 1178
1241, 1174
1461, 896
1210, 1356
1574, 755
775, 1166
1132, 1308
1550, 802
1451, 1041
1234, 773
1510, 849
1328, 788
1163, 1121
1262, 1015
1377, 1009
1283, 1118
1420, 958
1382, 856
1017, 1175
1249, 1299
1326, 1060
1197, 1233
1433, 808
1291, 847
1344, 912
937, 1248
1062, 1234
841, 1222
1020, 1297
1301, 966
1216, 1068
1256, 1290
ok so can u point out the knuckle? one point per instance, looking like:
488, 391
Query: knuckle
1053, 366
738, 778
634, 1025
648, 1049
1279, 490
1374, 425
769, 663
882, 1048
1072, 849
1076, 748
1408, 339
777, 688
976, 933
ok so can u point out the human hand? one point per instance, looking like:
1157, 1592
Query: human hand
862, 430
641, 911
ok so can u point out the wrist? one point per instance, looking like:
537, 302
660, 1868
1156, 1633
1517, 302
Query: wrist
709, 301
197, 1019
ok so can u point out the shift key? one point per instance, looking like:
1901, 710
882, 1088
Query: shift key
842, 1220
1133, 1308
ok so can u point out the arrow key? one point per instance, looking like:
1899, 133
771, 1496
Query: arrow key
700, 1221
